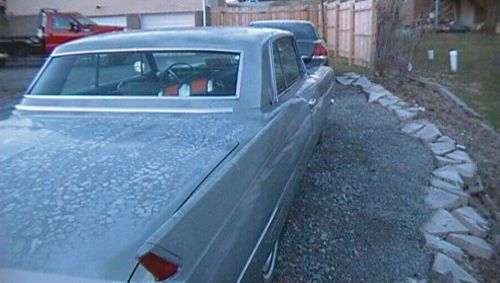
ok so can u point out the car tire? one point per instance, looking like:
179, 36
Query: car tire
270, 264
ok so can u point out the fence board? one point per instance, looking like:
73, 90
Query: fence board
349, 28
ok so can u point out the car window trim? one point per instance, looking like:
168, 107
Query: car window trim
236, 96
273, 76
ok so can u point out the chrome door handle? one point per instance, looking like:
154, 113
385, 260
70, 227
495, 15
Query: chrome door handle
312, 101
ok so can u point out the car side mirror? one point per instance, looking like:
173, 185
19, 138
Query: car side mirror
74, 27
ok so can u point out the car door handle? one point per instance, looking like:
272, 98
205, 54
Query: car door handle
312, 102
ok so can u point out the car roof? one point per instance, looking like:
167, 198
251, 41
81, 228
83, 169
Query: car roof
222, 38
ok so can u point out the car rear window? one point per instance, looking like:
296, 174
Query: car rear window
169, 74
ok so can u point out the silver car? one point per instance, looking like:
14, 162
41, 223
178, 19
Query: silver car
161, 155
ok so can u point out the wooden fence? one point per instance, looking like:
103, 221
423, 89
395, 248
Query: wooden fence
349, 28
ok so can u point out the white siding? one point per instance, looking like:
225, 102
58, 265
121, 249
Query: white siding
119, 21
150, 21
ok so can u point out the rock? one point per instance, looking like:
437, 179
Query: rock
428, 133
473, 245
344, 80
388, 100
467, 170
471, 219
446, 139
479, 206
414, 280
437, 198
363, 82
412, 127
443, 223
476, 187
449, 174
352, 75
451, 188
404, 115
445, 269
459, 155
437, 244
442, 147
492, 206
376, 95
442, 161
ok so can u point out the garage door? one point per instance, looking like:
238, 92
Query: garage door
152, 21
119, 21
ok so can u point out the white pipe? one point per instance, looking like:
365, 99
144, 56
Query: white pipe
204, 3
454, 60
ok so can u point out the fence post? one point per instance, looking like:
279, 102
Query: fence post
351, 32
373, 38
337, 28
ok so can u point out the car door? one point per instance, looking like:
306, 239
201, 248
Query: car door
62, 28
310, 89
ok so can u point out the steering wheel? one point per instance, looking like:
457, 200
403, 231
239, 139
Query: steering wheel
171, 68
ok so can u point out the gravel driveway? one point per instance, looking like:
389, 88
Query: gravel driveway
357, 214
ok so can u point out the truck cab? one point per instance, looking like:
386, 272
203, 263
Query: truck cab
57, 28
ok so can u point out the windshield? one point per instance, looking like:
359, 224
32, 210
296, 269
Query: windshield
83, 20
181, 74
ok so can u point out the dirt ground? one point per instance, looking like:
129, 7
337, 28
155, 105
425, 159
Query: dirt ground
481, 140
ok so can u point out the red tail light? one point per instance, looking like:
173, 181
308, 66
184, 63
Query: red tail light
159, 267
320, 51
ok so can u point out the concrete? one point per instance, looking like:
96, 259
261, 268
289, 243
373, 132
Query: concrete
405, 115
442, 161
438, 245
471, 219
445, 269
443, 223
473, 245
442, 146
449, 174
467, 170
413, 126
428, 133
459, 155
437, 198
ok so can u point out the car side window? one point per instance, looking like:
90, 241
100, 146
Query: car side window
61, 22
286, 67
278, 70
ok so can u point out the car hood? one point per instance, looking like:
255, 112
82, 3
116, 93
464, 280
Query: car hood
81, 194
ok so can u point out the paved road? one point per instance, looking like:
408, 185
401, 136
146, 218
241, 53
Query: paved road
13, 83
357, 215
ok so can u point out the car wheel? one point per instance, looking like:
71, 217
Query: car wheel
269, 266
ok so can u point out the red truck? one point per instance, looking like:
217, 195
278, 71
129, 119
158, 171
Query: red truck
54, 29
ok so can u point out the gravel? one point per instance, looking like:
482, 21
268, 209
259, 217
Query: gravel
357, 215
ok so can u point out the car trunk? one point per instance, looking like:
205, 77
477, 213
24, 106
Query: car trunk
80, 195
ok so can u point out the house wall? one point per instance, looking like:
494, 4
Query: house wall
107, 7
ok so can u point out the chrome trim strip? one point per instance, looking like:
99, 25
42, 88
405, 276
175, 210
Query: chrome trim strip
104, 97
261, 238
124, 110
149, 49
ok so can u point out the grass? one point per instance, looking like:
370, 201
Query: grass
477, 81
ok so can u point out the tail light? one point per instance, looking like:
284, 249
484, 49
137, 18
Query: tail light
320, 51
159, 267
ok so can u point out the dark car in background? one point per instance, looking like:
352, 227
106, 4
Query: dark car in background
311, 47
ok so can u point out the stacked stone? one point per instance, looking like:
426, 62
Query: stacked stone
456, 232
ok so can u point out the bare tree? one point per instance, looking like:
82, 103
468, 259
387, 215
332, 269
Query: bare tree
395, 42
492, 15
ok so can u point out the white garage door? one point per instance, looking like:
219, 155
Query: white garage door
119, 21
152, 21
